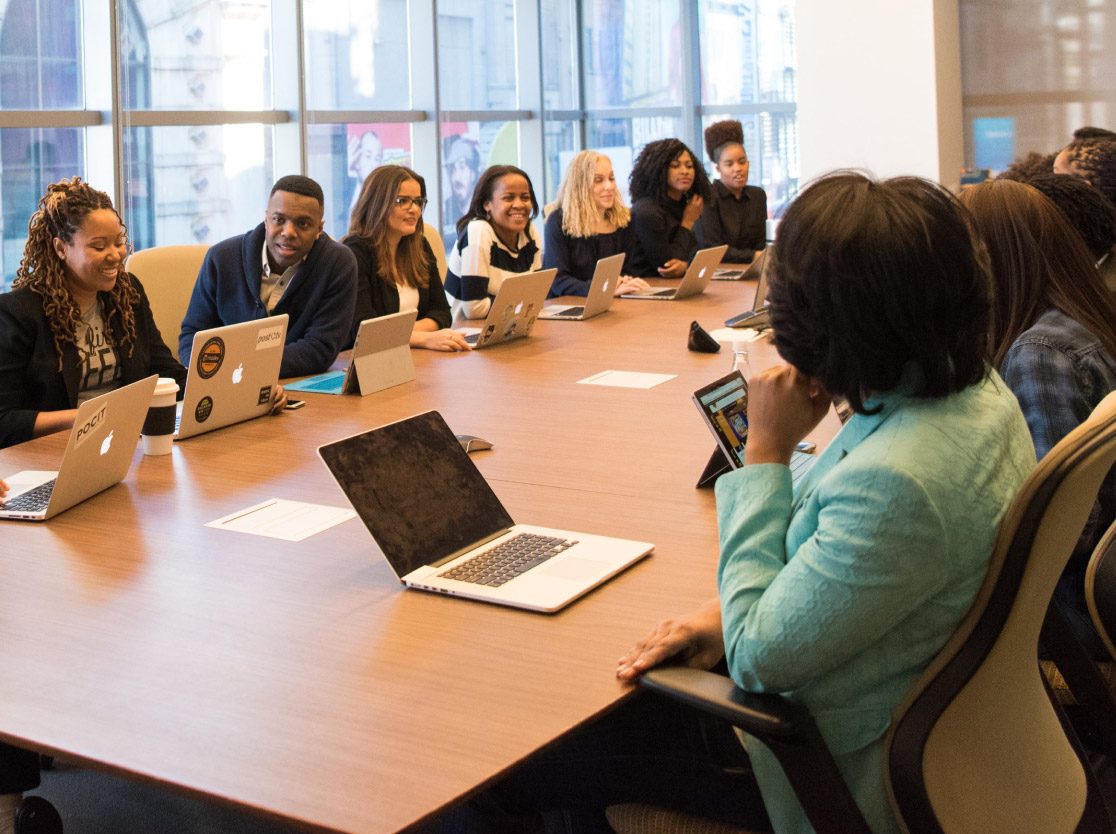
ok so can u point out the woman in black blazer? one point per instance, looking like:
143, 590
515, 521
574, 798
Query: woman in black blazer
75, 324
396, 268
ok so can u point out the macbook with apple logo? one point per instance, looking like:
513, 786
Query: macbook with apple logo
232, 374
98, 454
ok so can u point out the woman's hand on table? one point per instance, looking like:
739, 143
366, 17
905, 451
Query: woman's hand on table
694, 639
629, 283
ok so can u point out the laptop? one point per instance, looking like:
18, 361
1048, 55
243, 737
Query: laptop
757, 318
97, 456
381, 359
442, 528
606, 276
723, 405
517, 304
695, 280
233, 371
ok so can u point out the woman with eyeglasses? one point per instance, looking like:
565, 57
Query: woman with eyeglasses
396, 268
494, 239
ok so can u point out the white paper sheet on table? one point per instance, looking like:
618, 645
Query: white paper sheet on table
626, 379
736, 334
292, 521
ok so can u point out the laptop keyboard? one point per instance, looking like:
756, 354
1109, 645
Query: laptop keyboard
570, 312
34, 500
508, 560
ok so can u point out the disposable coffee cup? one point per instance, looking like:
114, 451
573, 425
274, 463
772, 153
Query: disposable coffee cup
158, 428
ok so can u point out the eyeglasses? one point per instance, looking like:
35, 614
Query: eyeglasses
407, 202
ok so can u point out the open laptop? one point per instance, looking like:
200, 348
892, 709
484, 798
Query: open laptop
723, 405
695, 280
97, 456
381, 359
442, 528
757, 318
233, 371
606, 276
517, 304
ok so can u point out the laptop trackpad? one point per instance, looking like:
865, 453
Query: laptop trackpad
573, 567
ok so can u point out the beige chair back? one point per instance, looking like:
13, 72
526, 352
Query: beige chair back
979, 746
435, 241
1100, 589
168, 274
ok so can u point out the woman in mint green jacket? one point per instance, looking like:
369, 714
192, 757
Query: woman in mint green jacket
840, 593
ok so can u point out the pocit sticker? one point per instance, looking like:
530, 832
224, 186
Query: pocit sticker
90, 426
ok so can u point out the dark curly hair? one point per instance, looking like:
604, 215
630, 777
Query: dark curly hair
1090, 213
649, 173
719, 134
482, 194
1095, 161
60, 213
870, 277
1031, 165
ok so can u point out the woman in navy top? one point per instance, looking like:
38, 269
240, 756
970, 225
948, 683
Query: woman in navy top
586, 222
669, 190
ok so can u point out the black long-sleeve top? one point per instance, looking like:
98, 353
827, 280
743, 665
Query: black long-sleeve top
657, 236
741, 223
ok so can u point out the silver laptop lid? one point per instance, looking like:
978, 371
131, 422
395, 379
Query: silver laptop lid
516, 307
233, 370
603, 286
416, 490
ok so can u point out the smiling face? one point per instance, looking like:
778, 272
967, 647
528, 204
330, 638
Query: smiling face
680, 175
603, 189
732, 166
509, 210
95, 256
291, 225
403, 221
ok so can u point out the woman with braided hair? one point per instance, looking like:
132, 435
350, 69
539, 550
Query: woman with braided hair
75, 324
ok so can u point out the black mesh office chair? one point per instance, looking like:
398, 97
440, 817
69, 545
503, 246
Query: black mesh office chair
978, 744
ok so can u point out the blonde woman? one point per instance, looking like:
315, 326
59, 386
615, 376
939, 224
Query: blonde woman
586, 222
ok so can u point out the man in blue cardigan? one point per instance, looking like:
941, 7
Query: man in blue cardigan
287, 264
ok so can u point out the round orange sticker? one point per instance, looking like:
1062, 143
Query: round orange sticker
211, 357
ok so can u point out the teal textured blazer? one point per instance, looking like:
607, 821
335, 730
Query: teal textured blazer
839, 595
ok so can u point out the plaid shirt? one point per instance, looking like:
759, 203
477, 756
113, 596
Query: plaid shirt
1059, 373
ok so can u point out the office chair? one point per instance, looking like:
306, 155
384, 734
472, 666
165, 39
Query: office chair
168, 274
439, 247
1100, 590
978, 744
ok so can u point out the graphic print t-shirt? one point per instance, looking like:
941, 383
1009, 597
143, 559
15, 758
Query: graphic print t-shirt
100, 371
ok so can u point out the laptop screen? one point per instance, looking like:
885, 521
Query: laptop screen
416, 490
724, 404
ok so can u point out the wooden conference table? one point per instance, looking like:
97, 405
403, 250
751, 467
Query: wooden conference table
300, 679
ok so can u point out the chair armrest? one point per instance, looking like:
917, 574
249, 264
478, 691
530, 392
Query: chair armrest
786, 728
756, 713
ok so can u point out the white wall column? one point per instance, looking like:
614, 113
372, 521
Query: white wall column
879, 88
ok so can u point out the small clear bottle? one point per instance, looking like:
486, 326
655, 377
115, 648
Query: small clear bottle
740, 359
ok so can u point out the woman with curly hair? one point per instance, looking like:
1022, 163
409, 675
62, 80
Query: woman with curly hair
396, 269
737, 212
669, 190
494, 239
586, 222
1094, 160
75, 324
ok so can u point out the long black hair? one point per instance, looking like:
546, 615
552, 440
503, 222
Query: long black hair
649, 174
